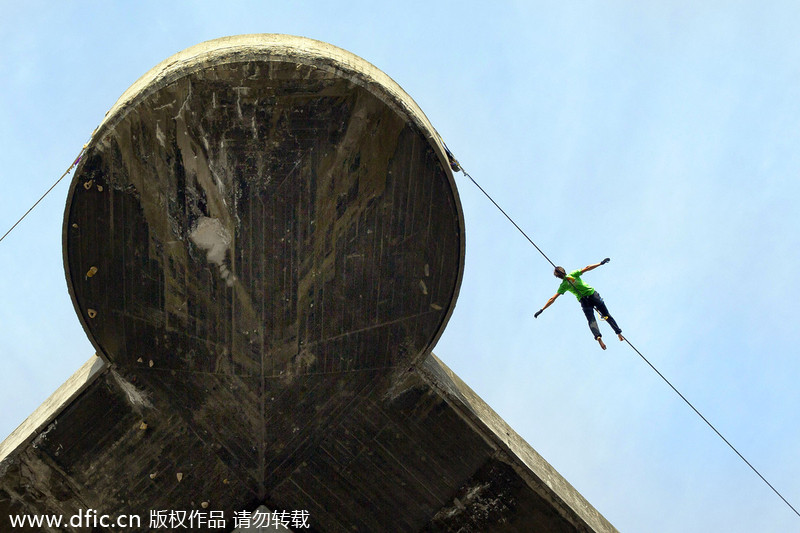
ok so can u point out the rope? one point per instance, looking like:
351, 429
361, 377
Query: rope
508, 217
77, 160
454, 164
712, 427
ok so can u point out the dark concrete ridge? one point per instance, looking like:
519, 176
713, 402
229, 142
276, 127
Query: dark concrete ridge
510, 448
431, 454
263, 241
37, 422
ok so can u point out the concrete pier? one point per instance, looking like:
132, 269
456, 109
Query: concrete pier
263, 242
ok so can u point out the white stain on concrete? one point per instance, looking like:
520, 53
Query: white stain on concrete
138, 399
210, 235
162, 139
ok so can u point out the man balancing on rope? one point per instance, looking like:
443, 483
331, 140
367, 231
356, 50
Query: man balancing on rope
588, 298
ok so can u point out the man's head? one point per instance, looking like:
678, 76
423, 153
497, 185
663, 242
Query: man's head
559, 272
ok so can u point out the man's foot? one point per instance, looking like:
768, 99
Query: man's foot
602, 344
621, 338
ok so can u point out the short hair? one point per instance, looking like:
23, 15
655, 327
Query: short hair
560, 272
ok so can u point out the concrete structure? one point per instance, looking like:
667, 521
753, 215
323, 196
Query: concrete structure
263, 241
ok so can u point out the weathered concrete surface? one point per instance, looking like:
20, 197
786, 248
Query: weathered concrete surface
263, 241
426, 455
37, 423
525, 493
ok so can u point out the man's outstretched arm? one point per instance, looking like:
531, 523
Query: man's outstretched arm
548, 304
592, 267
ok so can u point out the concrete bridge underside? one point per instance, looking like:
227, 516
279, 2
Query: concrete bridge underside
424, 454
263, 241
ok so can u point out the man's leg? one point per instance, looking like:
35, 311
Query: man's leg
598, 302
589, 312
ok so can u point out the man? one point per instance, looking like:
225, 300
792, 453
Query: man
588, 298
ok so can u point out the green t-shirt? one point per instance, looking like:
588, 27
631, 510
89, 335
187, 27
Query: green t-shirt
577, 287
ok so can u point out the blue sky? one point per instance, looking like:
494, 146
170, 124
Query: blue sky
661, 134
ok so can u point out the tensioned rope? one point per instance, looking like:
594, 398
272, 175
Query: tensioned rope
28, 212
456, 166
712, 427
506, 214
